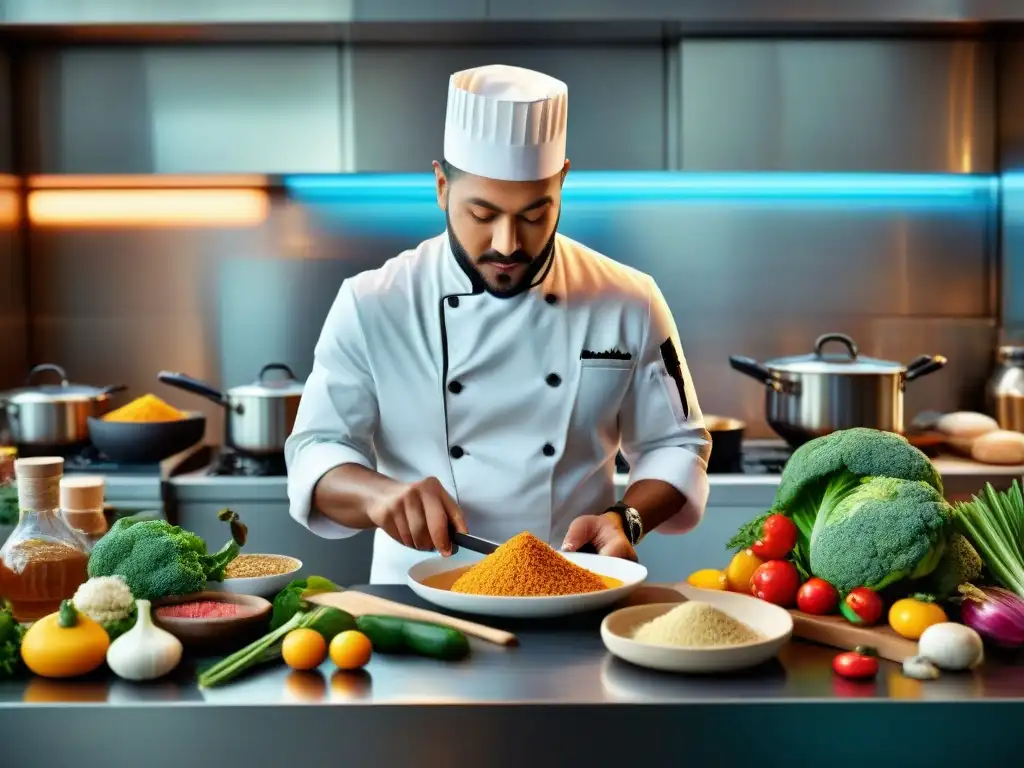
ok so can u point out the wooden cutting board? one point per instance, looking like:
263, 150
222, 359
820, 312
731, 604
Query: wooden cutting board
362, 604
837, 632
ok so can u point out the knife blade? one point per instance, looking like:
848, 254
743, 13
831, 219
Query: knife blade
485, 547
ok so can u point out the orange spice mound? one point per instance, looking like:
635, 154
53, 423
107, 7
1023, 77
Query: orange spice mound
524, 566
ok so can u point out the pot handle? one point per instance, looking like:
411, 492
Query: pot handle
196, 387
48, 367
923, 365
275, 367
825, 338
113, 389
751, 368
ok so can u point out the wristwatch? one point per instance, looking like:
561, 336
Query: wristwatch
632, 523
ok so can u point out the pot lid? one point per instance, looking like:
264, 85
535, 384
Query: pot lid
284, 386
64, 392
848, 361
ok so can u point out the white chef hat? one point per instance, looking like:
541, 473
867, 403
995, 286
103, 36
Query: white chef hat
506, 123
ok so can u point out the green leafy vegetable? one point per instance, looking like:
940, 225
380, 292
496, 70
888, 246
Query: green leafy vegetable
839, 470
11, 633
994, 523
157, 559
293, 598
9, 512
879, 531
960, 564
325, 620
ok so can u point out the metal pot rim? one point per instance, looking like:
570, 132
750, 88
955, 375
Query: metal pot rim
286, 387
69, 394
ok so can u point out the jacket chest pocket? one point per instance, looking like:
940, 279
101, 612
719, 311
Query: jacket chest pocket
603, 384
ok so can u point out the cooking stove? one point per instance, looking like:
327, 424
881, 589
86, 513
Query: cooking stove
230, 463
87, 460
757, 459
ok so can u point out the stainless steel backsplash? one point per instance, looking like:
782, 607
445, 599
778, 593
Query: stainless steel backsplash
761, 277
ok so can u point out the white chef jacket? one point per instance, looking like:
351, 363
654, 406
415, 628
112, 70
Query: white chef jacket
517, 406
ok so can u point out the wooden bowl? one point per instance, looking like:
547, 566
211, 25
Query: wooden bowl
235, 631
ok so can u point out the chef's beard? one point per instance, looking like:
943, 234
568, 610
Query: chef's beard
534, 265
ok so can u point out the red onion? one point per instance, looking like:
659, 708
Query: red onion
994, 613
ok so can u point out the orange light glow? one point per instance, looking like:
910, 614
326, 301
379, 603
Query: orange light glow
147, 181
149, 207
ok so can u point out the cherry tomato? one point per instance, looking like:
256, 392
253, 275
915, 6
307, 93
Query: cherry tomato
862, 606
740, 569
911, 616
708, 578
818, 597
778, 537
777, 581
859, 664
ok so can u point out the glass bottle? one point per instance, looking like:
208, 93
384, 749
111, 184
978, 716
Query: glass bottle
81, 503
44, 560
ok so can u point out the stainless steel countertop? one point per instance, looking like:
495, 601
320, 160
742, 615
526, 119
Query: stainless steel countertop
559, 688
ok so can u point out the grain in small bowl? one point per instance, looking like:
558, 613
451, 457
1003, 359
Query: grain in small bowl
258, 574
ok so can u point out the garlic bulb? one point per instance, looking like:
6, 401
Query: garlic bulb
145, 652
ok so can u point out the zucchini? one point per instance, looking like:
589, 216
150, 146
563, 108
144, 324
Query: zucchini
390, 634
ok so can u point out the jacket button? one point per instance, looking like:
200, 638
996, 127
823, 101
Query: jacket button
456, 452
453, 301
551, 298
553, 379
549, 449
454, 387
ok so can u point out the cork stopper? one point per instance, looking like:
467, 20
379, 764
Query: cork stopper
39, 482
41, 467
83, 493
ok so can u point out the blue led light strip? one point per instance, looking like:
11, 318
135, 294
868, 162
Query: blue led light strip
668, 185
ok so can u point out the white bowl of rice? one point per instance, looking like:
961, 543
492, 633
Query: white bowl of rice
707, 632
258, 574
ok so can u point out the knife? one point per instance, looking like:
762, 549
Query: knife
485, 547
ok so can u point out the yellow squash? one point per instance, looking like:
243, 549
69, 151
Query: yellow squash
64, 644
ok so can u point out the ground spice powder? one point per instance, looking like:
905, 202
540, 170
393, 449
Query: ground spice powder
694, 624
524, 566
148, 408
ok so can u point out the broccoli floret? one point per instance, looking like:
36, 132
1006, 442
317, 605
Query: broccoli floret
879, 531
157, 559
960, 564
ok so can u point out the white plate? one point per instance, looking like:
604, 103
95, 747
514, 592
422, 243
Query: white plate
629, 573
260, 586
773, 622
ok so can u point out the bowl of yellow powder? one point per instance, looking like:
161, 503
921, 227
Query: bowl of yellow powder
145, 431
706, 633
525, 578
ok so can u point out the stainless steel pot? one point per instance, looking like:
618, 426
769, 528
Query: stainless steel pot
260, 416
54, 415
816, 394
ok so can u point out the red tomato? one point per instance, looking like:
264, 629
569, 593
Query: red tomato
862, 606
778, 537
817, 596
860, 664
777, 581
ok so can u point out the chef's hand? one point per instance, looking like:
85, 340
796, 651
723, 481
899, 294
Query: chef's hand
418, 514
605, 532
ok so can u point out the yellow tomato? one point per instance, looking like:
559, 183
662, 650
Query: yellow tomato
741, 568
351, 649
303, 649
911, 616
64, 644
708, 578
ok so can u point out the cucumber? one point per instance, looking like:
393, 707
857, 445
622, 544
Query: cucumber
390, 634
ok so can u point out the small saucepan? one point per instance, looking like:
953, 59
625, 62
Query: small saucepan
260, 416
54, 416
726, 443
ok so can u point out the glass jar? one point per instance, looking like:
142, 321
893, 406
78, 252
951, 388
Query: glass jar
81, 504
1005, 391
44, 560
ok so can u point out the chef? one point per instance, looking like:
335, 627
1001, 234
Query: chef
485, 379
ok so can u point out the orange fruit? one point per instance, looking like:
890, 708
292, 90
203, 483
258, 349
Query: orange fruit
351, 650
303, 649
